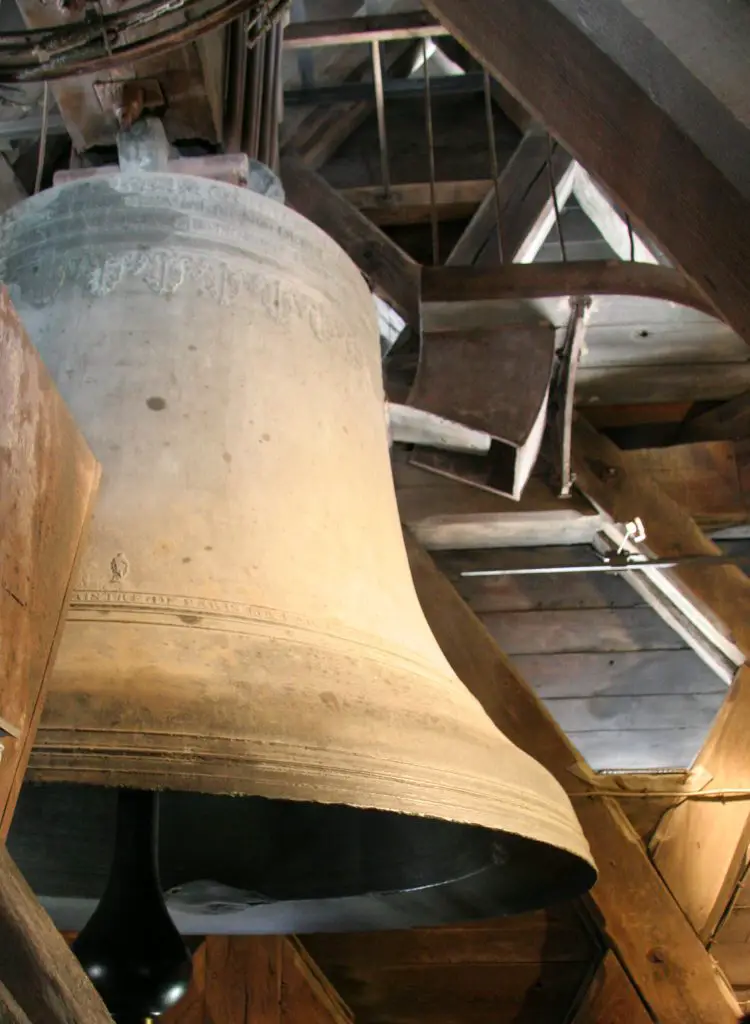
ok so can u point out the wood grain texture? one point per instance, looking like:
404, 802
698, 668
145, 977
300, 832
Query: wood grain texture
36, 965
258, 979
611, 999
620, 135
48, 479
546, 280
522, 192
699, 846
662, 955
729, 421
391, 273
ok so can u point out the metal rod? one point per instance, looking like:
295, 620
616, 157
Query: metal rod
377, 76
270, 97
495, 170
251, 120
431, 155
615, 566
236, 85
393, 88
555, 204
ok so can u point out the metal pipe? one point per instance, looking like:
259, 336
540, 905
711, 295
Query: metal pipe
615, 566
431, 155
377, 77
253, 99
236, 85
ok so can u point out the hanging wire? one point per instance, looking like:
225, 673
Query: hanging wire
495, 170
631, 235
431, 154
555, 204
42, 139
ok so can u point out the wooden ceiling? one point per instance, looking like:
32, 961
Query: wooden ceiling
646, 160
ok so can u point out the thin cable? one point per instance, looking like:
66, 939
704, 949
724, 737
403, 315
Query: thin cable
494, 168
631, 236
431, 155
555, 204
42, 139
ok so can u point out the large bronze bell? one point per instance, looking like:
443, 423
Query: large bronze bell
245, 623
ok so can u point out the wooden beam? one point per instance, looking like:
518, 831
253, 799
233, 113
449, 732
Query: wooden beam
445, 515
36, 965
412, 203
547, 280
523, 192
48, 478
611, 999
257, 979
597, 206
699, 848
659, 950
321, 131
302, 35
627, 141
729, 421
392, 274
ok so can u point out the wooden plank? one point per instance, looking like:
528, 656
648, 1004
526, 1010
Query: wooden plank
48, 478
700, 846
243, 978
546, 591
445, 514
611, 226
321, 130
545, 280
382, 28
411, 203
611, 999
617, 674
391, 273
556, 935
704, 478
36, 965
642, 921
627, 385
615, 129
305, 993
191, 1009
730, 421
522, 192
639, 750
567, 631
10, 1011
618, 714
468, 994
612, 481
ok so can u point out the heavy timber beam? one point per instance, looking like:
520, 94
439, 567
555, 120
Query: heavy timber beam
343, 31
698, 849
48, 478
611, 124
392, 274
656, 945
546, 280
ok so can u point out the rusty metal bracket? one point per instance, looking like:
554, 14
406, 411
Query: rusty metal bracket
562, 395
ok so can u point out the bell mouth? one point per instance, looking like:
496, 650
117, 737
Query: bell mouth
254, 865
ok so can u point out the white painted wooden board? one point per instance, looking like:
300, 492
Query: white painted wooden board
621, 683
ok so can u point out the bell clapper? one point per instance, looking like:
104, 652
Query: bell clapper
130, 947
